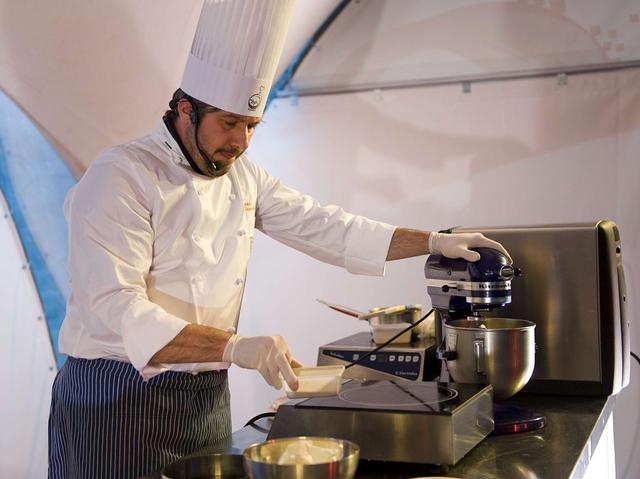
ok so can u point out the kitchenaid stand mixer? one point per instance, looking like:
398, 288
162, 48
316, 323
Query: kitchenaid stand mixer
478, 349
460, 289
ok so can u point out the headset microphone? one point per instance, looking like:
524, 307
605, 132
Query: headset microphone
194, 115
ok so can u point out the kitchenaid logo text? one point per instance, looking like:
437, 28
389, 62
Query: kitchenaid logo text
504, 285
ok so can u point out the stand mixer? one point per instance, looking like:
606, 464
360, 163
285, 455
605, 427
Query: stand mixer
460, 289
479, 350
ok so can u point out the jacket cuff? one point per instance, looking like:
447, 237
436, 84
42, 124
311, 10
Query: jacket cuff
143, 339
367, 246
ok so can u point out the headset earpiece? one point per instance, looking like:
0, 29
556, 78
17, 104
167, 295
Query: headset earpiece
193, 116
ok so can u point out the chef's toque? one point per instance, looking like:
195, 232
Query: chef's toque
235, 53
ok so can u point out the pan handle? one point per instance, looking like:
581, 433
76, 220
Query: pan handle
341, 309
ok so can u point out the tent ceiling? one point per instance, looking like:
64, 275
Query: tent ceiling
425, 42
95, 74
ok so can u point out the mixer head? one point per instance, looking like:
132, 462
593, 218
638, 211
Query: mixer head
459, 288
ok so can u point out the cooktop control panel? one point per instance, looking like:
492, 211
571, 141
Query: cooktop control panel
412, 361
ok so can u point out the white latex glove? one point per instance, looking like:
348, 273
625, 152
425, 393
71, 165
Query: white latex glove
456, 245
270, 355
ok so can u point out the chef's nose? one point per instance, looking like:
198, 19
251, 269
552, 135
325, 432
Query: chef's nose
241, 136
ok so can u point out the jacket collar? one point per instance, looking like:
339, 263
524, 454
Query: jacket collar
166, 141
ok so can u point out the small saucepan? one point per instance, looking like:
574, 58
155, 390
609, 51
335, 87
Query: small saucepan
390, 315
382, 320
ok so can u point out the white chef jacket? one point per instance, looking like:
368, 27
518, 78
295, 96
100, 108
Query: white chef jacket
154, 246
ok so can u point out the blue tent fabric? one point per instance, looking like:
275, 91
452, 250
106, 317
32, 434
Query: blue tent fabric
34, 180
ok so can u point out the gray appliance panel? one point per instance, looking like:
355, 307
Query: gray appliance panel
559, 292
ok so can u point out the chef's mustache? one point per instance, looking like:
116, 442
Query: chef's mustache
231, 151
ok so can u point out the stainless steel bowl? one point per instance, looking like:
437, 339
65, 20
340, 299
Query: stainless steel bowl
262, 460
409, 315
206, 466
496, 351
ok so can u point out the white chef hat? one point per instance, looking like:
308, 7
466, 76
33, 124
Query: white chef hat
235, 53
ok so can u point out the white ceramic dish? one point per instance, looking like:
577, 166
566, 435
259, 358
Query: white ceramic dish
317, 381
384, 332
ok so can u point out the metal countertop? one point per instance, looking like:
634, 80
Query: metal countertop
561, 450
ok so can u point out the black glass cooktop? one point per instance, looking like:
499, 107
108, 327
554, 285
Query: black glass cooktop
406, 396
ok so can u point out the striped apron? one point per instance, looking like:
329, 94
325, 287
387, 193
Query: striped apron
107, 422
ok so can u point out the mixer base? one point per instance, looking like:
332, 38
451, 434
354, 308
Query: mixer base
512, 419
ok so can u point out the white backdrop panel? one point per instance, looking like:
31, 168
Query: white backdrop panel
27, 365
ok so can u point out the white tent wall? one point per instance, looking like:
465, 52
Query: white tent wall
27, 364
529, 151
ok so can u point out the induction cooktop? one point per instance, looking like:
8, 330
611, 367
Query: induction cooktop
399, 421
386, 395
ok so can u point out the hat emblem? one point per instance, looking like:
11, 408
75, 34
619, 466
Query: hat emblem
256, 99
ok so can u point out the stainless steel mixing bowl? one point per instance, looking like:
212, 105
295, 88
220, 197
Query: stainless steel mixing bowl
261, 460
206, 466
496, 351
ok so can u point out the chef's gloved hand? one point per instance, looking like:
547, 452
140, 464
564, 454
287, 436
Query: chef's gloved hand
456, 245
270, 355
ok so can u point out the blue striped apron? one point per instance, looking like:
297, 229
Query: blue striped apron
107, 422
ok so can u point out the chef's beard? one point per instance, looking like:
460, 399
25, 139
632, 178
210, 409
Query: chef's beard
223, 166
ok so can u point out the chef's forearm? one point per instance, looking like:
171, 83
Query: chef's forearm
194, 344
406, 243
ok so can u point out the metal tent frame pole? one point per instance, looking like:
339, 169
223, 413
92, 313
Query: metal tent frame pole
465, 80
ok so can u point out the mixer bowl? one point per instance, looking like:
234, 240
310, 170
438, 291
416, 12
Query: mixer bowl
302, 457
496, 351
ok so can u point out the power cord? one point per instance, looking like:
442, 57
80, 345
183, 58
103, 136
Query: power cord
252, 422
634, 356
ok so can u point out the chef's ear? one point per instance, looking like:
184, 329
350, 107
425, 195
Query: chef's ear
184, 108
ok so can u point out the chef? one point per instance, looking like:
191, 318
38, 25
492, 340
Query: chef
160, 232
